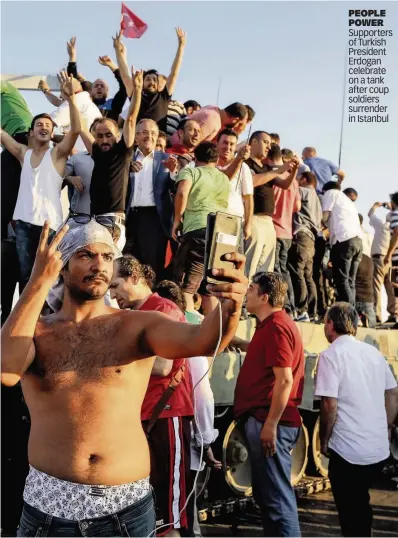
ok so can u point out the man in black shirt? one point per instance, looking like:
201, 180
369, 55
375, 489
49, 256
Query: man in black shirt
112, 158
260, 247
155, 103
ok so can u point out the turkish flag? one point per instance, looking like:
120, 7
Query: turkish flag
131, 25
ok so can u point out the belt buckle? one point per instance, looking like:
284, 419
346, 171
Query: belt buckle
96, 491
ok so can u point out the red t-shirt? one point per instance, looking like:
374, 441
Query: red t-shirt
285, 200
180, 404
276, 342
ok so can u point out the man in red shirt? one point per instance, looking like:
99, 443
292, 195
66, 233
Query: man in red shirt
268, 392
169, 437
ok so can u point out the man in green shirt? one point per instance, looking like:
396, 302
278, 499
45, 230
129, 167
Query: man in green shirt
200, 191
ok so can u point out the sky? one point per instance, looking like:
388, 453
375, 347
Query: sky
285, 59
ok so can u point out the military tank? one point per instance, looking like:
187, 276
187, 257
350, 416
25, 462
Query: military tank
230, 490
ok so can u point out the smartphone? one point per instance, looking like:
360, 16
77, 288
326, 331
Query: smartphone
223, 236
393, 275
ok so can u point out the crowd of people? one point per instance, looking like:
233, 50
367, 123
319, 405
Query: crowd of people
103, 373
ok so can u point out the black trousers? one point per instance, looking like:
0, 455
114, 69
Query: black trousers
281, 257
301, 257
317, 274
146, 238
346, 257
350, 487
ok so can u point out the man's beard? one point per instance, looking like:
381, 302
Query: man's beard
84, 296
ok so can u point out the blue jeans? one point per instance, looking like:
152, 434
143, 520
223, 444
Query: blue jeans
27, 238
135, 520
369, 310
272, 489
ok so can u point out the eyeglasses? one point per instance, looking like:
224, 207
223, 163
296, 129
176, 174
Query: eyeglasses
84, 218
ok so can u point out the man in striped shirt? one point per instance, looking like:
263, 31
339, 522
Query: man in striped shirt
392, 253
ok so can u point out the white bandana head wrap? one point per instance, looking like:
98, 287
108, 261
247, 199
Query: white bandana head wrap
77, 237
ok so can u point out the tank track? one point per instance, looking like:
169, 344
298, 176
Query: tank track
308, 485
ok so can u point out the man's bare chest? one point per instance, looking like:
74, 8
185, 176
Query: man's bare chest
89, 353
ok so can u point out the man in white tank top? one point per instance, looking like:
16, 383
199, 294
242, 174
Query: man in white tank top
39, 196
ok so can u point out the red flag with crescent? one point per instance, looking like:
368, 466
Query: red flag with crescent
131, 25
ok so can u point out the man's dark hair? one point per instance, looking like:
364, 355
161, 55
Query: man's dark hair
360, 218
42, 115
151, 72
130, 266
275, 137
331, 185
344, 317
287, 153
256, 135
310, 178
206, 153
182, 123
274, 153
349, 191
191, 103
273, 285
250, 113
170, 290
162, 134
236, 110
227, 132
104, 119
394, 198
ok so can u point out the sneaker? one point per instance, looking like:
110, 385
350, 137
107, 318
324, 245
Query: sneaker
303, 317
392, 319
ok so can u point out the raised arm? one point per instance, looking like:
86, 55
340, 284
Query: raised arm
53, 99
11, 145
88, 140
121, 95
71, 50
64, 148
134, 108
236, 165
285, 182
172, 340
17, 333
175, 68
121, 58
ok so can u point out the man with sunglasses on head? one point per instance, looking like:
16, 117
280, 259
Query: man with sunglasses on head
111, 154
84, 373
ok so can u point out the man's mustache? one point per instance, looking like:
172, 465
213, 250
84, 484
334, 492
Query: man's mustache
98, 276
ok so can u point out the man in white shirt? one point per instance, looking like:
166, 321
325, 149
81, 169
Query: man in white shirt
381, 274
149, 209
359, 404
87, 109
39, 195
240, 201
341, 217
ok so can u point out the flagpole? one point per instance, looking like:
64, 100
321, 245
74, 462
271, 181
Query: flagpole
218, 91
343, 108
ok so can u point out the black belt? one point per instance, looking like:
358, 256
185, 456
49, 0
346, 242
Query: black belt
378, 256
143, 208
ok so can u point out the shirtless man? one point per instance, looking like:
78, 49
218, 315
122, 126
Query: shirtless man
39, 196
84, 373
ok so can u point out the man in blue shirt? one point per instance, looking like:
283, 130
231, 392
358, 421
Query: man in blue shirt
322, 168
